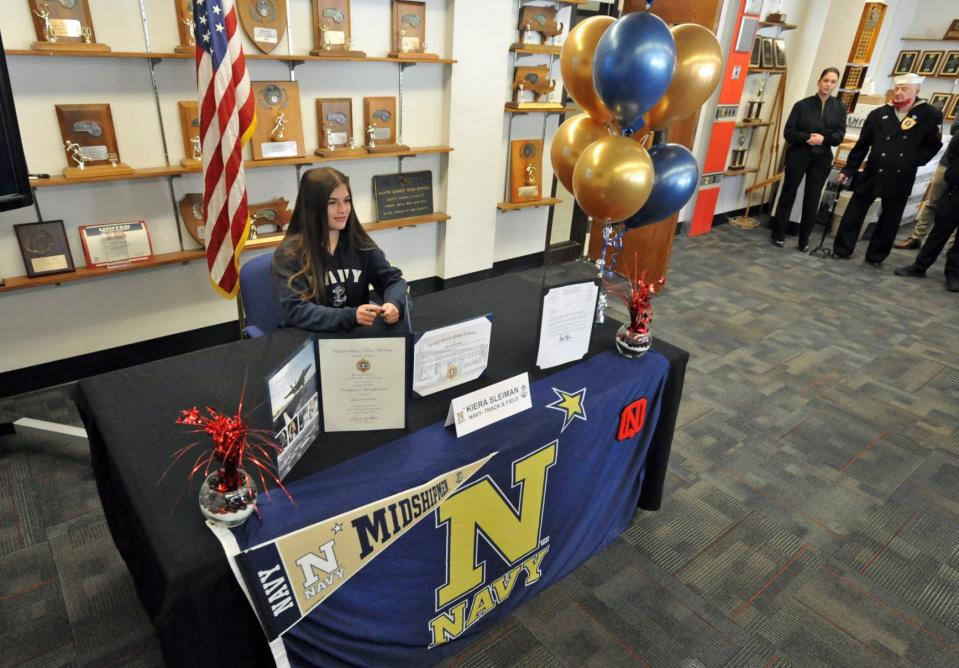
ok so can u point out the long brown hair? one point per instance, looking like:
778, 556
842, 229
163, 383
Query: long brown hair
308, 235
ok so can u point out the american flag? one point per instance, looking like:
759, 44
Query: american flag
227, 119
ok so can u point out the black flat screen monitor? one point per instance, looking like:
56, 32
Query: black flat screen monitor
14, 185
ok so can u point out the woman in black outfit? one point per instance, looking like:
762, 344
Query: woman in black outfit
325, 264
815, 125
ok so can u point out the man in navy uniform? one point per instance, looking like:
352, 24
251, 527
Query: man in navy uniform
898, 137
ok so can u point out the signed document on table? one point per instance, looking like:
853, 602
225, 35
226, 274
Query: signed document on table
363, 383
451, 355
568, 312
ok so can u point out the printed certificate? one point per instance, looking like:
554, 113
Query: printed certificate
451, 356
363, 383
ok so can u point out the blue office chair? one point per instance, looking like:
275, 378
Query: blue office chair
260, 312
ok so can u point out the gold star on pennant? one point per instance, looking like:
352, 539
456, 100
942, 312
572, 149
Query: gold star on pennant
571, 404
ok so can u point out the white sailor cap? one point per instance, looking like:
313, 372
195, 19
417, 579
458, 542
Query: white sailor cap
908, 79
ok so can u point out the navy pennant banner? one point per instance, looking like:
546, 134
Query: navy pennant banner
402, 555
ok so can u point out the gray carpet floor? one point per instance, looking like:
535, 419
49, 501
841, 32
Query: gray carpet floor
811, 515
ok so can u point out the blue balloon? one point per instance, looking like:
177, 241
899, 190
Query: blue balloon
633, 66
676, 174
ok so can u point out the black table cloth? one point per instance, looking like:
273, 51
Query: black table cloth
178, 568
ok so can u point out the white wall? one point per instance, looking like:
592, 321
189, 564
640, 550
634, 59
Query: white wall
824, 36
460, 105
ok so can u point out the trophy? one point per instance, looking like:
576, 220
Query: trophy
331, 30
263, 21
409, 30
334, 116
379, 119
63, 25
269, 219
89, 141
542, 20
190, 129
531, 84
754, 108
526, 166
738, 159
279, 128
185, 26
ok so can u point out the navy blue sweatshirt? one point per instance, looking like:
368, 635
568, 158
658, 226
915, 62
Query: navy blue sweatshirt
347, 280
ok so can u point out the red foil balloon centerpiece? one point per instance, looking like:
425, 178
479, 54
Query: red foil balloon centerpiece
633, 339
228, 492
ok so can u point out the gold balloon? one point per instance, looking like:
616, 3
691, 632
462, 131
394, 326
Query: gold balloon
576, 64
613, 178
572, 137
699, 66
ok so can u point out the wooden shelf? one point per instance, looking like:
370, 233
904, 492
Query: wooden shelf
294, 58
782, 26
929, 39
177, 170
765, 69
187, 256
513, 206
740, 172
537, 107
84, 273
435, 217
927, 76
538, 49
754, 124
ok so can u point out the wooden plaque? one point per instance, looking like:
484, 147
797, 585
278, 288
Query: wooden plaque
263, 21
540, 19
267, 219
953, 31
525, 170
853, 77
185, 26
779, 53
952, 109
191, 211
767, 59
89, 141
403, 195
331, 30
379, 123
190, 130
336, 115
409, 30
906, 62
950, 65
535, 79
867, 33
929, 63
279, 124
44, 248
940, 101
63, 25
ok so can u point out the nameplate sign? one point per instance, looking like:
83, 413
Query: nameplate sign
403, 195
491, 404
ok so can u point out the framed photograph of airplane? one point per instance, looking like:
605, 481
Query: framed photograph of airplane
294, 406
